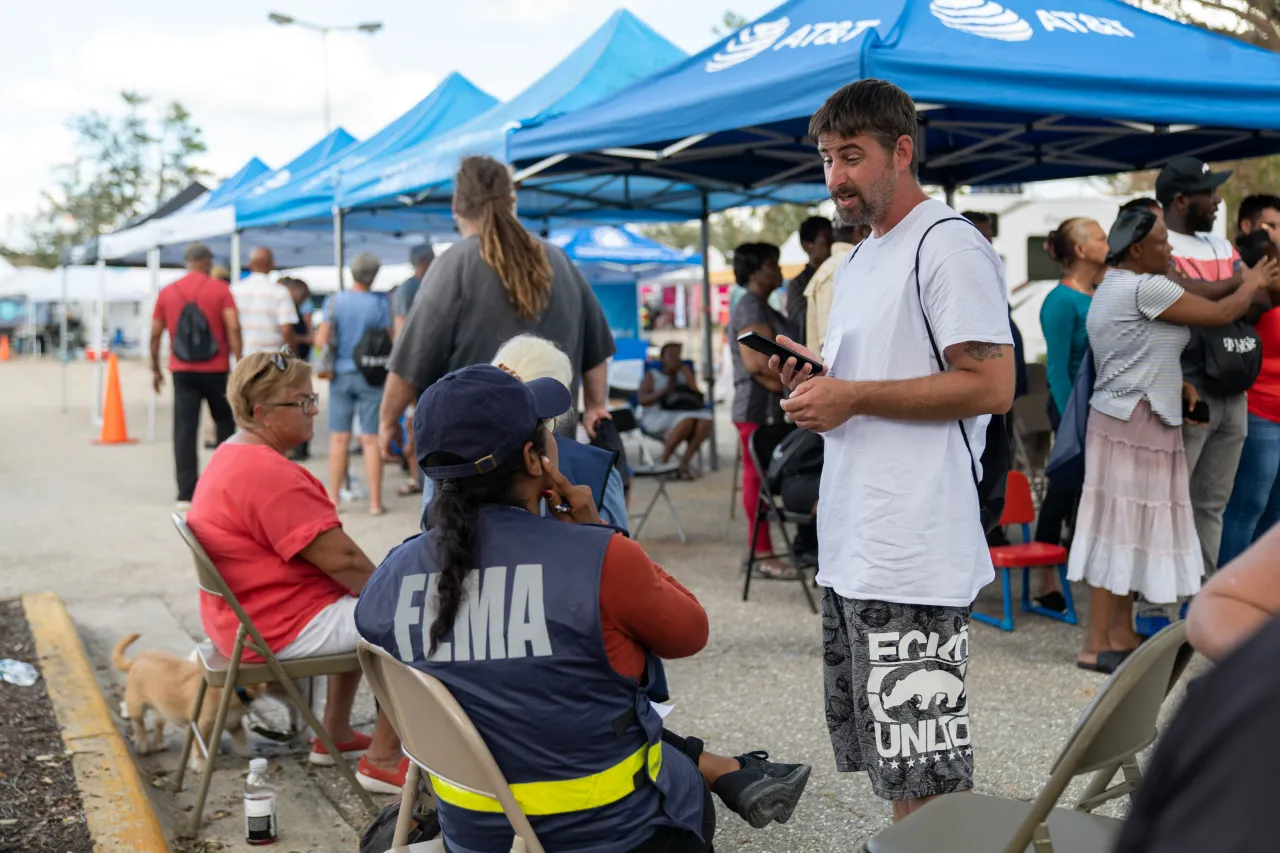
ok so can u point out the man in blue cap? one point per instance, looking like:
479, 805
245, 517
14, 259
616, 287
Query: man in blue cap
540, 630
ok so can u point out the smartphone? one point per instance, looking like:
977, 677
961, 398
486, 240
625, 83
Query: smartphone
1198, 414
761, 344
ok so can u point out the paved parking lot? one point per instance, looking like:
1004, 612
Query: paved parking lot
92, 524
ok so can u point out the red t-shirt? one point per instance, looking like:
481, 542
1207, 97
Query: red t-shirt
253, 511
1264, 396
212, 296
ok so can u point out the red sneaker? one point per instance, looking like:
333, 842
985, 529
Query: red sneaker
378, 781
358, 745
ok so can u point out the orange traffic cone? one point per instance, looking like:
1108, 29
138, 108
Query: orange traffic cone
113, 428
4, 348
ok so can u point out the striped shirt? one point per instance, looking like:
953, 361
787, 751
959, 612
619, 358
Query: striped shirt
264, 307
1207, 257
1137, 356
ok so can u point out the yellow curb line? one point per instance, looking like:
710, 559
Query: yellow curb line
116, 806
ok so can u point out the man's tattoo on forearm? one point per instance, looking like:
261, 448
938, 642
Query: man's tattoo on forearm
983, 351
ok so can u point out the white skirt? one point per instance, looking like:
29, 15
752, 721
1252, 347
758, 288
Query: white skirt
1135, 531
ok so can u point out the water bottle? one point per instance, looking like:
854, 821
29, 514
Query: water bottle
259, 805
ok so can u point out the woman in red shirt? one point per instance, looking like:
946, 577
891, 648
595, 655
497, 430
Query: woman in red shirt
274, 535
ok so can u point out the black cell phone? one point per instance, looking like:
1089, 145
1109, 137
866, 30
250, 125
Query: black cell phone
1198, 414
763, 345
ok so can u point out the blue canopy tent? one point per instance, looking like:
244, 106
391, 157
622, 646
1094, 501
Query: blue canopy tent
1005, 92
622, 51
309, 198
612, 260
248, 176
215, 224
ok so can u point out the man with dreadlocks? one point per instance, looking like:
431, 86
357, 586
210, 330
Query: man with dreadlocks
498, 282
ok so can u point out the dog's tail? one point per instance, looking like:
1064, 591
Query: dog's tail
121, 662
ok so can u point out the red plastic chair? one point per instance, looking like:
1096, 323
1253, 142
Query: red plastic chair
1019, 509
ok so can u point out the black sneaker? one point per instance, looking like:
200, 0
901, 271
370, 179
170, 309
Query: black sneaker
762, 791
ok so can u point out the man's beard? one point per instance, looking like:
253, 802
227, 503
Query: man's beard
1198, 220
875, 200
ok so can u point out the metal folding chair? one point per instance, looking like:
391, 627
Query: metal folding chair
660, 473
769, 509
1118, 724
229, 673
436, 734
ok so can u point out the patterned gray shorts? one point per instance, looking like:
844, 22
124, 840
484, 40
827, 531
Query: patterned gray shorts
895, 695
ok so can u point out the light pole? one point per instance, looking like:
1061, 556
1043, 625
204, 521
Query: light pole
369, 28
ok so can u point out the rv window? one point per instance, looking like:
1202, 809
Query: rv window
1040, 267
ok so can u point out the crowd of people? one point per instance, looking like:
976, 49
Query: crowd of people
494, 354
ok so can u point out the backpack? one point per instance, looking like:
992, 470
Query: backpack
372, 354
800, 453
192, 339
1232, 358
997, 456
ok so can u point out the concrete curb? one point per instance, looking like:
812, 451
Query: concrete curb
116, 806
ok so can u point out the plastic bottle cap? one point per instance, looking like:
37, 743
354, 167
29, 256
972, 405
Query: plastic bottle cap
257, 765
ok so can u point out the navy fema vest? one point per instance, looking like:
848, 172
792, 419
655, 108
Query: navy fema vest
579, 743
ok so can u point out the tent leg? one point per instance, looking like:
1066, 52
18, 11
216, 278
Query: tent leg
338, 260
951, 196
63, 349
153, 267
234, 266
99, 381
708, 338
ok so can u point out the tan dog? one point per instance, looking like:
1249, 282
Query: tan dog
168, 685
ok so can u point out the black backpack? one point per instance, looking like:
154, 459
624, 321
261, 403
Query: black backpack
997, 456
372, 355
193, 339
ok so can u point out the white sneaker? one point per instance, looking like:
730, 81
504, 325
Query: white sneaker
182, 506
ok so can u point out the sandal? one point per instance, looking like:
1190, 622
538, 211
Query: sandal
409, 489
1054, 601
377, 511
1107, 662
776, 571
686, 474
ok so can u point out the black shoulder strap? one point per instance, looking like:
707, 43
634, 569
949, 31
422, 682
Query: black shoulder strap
937, 354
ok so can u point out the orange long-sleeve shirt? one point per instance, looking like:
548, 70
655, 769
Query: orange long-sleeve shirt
642, 608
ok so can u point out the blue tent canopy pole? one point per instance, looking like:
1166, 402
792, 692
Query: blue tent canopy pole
338, 260
708, 345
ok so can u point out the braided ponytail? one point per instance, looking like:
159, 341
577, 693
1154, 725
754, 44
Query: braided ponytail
483, 193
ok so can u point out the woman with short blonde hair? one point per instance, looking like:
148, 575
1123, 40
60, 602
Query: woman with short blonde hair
274, 536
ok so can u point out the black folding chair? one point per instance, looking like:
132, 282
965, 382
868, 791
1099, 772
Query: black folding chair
764, 441
649, 469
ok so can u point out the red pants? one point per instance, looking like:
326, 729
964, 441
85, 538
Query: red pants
751, 490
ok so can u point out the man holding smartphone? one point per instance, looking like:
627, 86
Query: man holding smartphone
902, 552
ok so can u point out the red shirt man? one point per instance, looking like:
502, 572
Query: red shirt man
213, 297
195, 383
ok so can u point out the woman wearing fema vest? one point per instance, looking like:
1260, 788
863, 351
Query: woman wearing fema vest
556, 682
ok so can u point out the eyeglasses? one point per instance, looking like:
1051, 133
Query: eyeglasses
310, 403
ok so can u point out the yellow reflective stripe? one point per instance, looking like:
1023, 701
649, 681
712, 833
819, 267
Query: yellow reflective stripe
562, 795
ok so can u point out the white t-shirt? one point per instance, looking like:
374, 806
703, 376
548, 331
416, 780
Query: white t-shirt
898, 510
264, 306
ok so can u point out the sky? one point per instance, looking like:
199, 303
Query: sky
256, 88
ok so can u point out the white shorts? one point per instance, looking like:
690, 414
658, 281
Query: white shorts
331, 632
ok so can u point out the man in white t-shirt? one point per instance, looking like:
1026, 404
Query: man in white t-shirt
267, 312
902, 552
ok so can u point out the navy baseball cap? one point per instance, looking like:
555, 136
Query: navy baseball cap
483, 415
1188, 176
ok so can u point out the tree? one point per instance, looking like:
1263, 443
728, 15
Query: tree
1256, 22
730, 22
126, 164
772, 224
